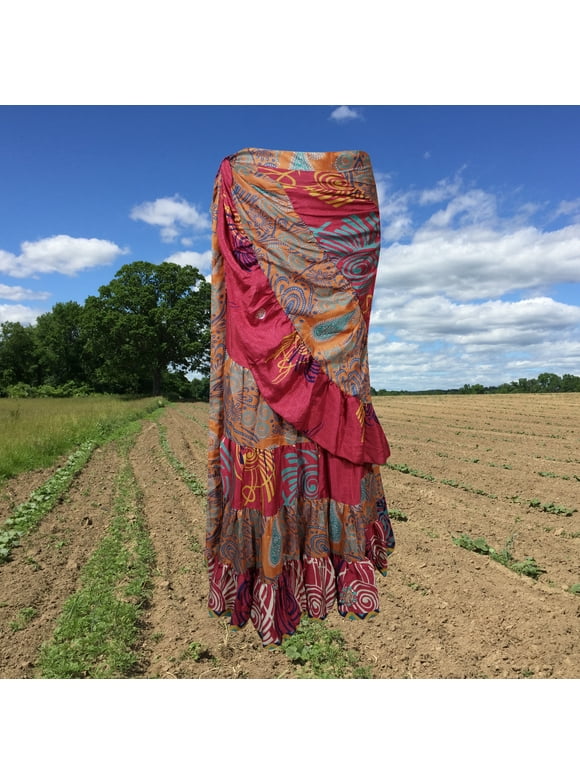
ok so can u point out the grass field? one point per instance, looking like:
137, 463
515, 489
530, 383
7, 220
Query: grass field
35, 432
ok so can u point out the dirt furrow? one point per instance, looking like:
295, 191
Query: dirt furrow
182, 641
44, 571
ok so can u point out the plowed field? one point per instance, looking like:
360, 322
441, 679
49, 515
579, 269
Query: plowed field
501, 468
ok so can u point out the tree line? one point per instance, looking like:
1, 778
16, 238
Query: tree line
146, 332
545, 382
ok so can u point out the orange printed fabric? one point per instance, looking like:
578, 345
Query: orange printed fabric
296, 508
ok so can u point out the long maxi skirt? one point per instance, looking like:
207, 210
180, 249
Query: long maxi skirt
297, 517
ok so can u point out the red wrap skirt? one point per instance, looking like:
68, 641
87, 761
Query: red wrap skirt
297, 516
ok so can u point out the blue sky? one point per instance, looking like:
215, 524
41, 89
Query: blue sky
479, 276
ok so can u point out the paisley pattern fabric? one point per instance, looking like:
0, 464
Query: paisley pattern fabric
297, 516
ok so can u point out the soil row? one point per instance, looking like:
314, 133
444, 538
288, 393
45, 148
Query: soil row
445, 612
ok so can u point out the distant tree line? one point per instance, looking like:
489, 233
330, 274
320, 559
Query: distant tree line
145, 333
545, 382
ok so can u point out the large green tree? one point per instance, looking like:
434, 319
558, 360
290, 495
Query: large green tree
59, 340
18, 357
149, 318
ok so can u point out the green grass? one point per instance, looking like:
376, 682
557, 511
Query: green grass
321, 652
97, 633
36, 432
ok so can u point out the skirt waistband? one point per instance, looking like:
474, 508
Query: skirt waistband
343, 161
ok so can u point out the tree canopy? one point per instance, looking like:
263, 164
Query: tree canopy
143, 333
149, 318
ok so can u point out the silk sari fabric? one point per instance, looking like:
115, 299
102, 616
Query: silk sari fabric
297, 517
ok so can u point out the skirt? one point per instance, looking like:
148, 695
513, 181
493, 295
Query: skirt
297, 517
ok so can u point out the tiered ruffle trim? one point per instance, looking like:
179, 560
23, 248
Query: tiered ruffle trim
306, 587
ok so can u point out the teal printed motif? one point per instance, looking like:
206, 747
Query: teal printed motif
328, 329
334, 526
300, 162
275, 545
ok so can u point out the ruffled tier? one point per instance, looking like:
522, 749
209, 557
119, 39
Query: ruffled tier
306, 587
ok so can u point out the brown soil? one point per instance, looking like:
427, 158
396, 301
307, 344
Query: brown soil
446, 612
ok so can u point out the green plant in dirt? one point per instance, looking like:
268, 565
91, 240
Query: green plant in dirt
419, 588
29, 514
197, 651
403, 468
190, 479
98, 629
478, 545
322, 653
194, 544
551, 508
527, 567
41, 501
575, 589
23, 618
396, 514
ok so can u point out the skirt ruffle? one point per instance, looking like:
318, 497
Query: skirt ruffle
305, 587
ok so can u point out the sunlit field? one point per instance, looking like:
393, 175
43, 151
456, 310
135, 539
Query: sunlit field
35, 432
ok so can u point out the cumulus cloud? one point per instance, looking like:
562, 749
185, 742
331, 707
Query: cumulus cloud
201, 261
345, 113
571, 208
174, 215
463, 287
477, 262
18, 313
394, 207
437, 343
444, 189
495, 322
61, 253
18, 293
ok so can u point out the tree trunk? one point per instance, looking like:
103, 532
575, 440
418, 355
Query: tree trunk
156, 390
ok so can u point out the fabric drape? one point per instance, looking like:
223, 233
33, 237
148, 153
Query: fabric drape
297, 516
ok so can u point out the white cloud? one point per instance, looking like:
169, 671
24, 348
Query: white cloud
493, 322
477, 262
20, 313
201, 261
432, 342
173, 215
18, 293
394, 208
444, 189
450, 266
61, 253
568, 208
475, 206
344, 113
